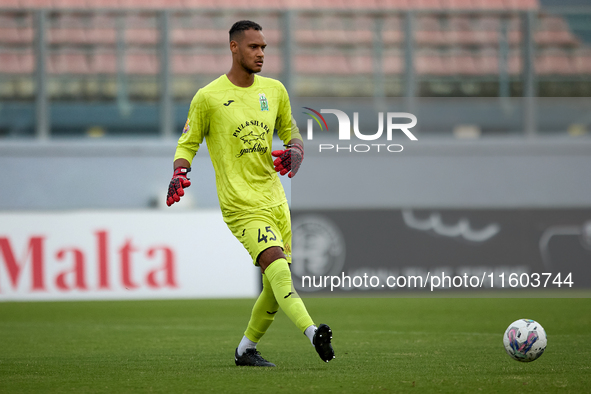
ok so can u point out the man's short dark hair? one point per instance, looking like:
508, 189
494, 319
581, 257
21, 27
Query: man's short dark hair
239, 27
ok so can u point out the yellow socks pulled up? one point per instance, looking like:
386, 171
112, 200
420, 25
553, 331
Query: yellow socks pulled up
279, 277
263, 313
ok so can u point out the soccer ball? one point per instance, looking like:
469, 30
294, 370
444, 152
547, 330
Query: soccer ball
525, 340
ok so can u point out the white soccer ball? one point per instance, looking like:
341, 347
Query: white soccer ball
525, 340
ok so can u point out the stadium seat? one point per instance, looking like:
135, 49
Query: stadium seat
333, 37
27, 4
103, 62
209, 4
490, 4
553, 31
94, 4
101, 36
521, 4
197, 36
430, 62
274, 37
487, 61
460, 62
447, 43
10, 3
554, 62
69, 3
428, 4
335, 64
397, 4
428, 31
461, 4
362, 4
141, 62
142, 36
136, 4
67, 36
68, 29
17, 62
361, 63
305, 37
514, 34
392, 30
361, 30
304, 28
252, 4
10, 63
141, 30
273, 64
582, 61
10, 35
9, 30
564, 38
515, 62
487, 31
392, 37
393, 64
102, 30
332, 31
192, 20
305, 4
195, 64
180, 36
68, 61
460, 31
16, 30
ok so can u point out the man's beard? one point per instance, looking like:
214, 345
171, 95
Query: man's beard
246, 68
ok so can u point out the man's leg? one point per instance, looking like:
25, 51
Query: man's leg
263, 314
275, 267
265, 243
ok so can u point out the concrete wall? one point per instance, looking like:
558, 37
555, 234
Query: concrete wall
443, 173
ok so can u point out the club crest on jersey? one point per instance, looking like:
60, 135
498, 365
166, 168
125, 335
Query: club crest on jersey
187, 127
264, 102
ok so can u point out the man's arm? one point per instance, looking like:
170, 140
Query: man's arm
290, 159
188, 145
181, 163
179, 181
295, 141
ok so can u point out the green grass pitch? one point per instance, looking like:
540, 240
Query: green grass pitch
382, 345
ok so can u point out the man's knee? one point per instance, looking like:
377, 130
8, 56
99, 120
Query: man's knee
270, 255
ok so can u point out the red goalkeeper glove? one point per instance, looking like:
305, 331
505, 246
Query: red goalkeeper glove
289, 159
178, 182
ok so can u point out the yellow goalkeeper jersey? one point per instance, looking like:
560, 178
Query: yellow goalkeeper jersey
238, 125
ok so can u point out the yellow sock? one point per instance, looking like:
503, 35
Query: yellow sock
279, 276
263, 313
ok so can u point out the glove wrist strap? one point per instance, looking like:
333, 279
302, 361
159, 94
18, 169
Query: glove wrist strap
297, 147
181, 171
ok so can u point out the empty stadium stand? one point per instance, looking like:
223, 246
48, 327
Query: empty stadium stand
101, 50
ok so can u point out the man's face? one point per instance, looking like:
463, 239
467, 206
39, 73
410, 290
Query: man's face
250, 50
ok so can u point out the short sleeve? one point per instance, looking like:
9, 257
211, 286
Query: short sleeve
285, 124
196, 128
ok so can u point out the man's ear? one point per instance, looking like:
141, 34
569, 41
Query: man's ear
234, 46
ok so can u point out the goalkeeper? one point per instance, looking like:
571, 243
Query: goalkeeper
237, 115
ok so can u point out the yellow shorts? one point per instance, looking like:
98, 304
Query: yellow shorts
262, 229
